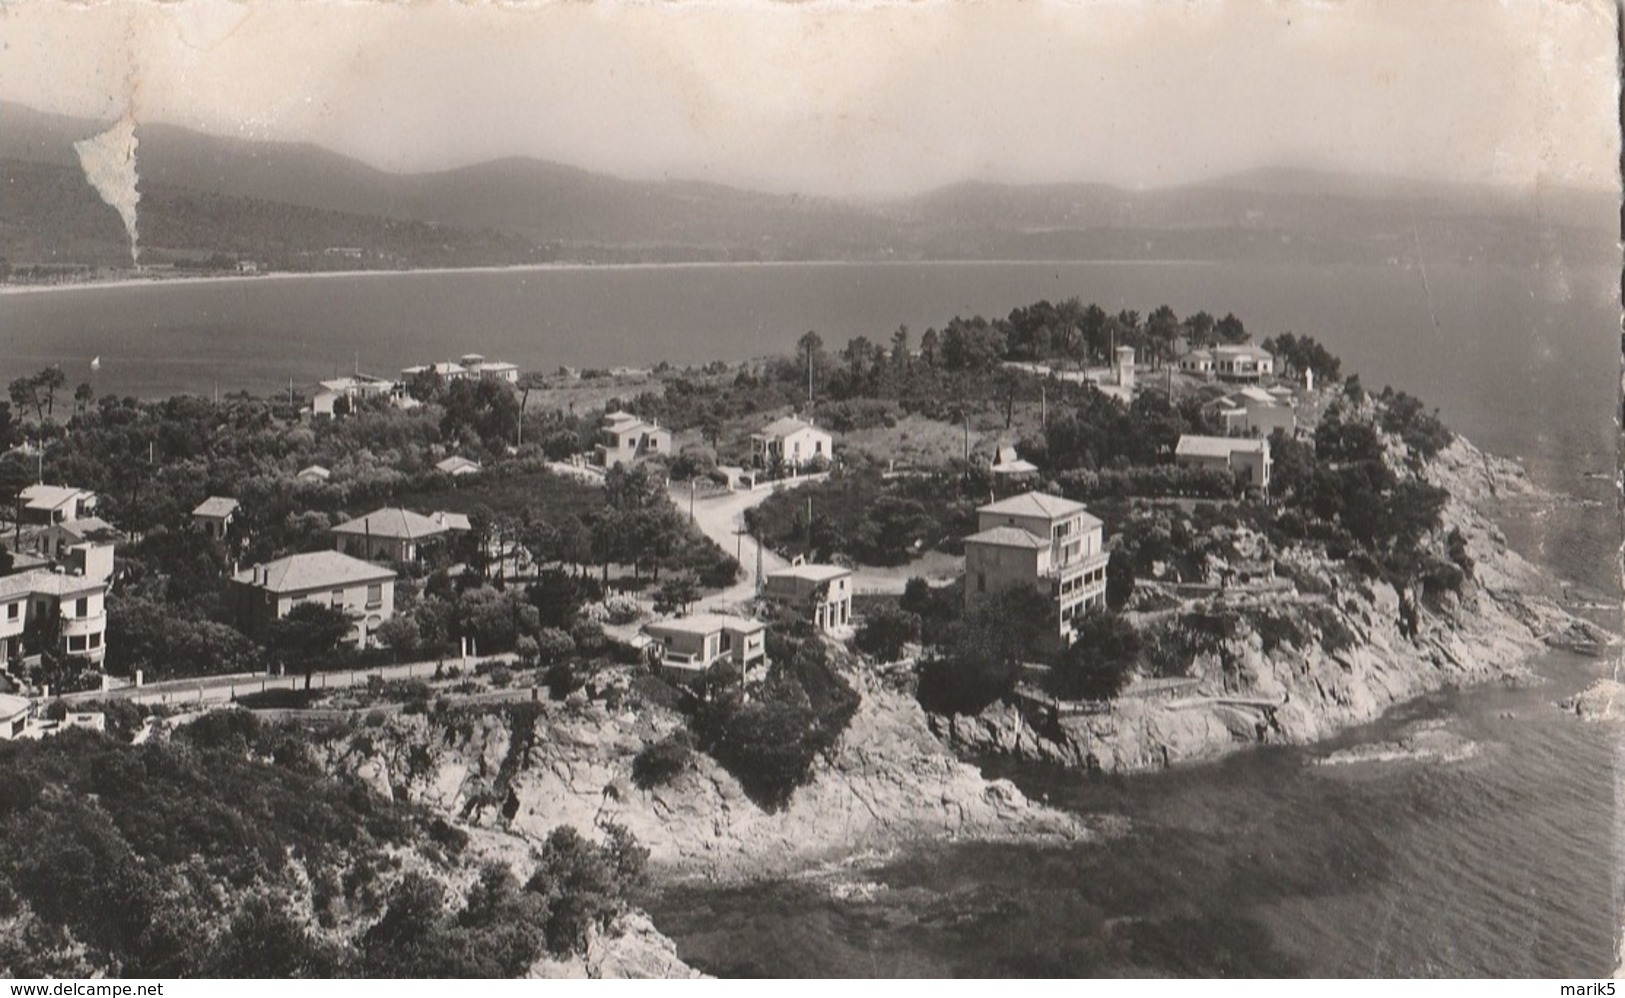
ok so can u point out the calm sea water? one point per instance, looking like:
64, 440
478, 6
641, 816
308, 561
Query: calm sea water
1501, 865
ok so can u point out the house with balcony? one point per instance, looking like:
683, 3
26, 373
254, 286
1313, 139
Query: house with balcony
263, 594
625, 439
214, 516
795, 443
77, 601
1248, 457
1242, 363
821, 592
390, 534
1041, 542
688, 647
48, 504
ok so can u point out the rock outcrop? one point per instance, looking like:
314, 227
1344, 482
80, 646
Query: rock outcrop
888, 782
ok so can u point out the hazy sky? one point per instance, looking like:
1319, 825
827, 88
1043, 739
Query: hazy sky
873, 99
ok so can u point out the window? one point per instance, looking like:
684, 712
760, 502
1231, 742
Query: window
727, 641
981, 582
76, 642
96, 640
13, 610
375, 594
81, 607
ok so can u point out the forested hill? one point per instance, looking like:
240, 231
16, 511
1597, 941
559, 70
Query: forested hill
287, 203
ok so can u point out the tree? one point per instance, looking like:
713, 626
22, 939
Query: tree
309, 635
1100, 661
50, 380
1230, 329
886, 631
677, 594
810, 354
24, 393
82, 397
899, 349
930, 349
1119, 579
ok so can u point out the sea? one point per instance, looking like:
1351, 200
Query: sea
1502, 864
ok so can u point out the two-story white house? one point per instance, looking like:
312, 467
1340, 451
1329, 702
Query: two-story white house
48, 504
794, 442
1247, 456
797, 585
263, 594
1041, 542
690, 646
625, 439
214, 516
78, 600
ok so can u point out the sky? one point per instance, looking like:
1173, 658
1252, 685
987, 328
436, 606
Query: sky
862, 99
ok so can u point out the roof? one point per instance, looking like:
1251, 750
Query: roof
813, 573
1242, 350
299, 573
1014, 467
50, 496
315, 471
1191, 445
89, 528
453, 521
1033, 504
402, 524
1008, 537
1202, 354
458, 463
45, 582
11, 706
785, 426
1254, 394
217, 507
706, 623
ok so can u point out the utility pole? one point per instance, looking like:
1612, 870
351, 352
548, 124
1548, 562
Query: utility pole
758, 541
1043, 404
809, 524
809, 381
691, 500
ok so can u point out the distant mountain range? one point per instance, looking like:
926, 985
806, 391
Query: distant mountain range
298, 206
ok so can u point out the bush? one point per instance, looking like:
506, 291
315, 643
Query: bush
526, 649
886, 631
554, 645
770, 741
500, 675
1100, 661
280, 699
660, 763
967, 688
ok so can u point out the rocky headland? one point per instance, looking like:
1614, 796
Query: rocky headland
1247, 690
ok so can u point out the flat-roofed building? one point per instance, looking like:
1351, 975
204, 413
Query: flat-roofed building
690, 646
822, 592
1247, 456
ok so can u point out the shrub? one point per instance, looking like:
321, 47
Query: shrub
1100, 661
886, 631
500, 675
663, 761
527, 651
553, 645
951, 687
280, 699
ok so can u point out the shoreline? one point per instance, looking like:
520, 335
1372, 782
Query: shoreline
7, 288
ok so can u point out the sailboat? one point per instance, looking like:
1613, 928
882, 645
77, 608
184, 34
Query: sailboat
96, 363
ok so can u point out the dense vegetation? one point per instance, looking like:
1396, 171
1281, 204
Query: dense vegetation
193, 859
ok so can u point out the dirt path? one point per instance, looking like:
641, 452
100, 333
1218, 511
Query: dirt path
721, 515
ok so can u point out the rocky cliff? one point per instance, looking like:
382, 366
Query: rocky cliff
888, 782
1250, 689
